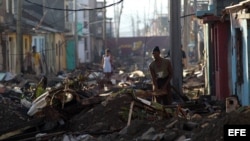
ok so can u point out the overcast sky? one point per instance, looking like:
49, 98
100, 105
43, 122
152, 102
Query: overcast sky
136, 8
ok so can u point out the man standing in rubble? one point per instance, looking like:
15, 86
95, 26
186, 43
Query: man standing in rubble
36, 61
161, 72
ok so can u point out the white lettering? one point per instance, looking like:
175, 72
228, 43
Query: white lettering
243, 132
230, 132
235, 132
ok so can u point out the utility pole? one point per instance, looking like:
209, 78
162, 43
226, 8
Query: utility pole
175, 43
137, 25
185, 26
133, 26
104, 24
117, 21
19, 58
76, 37
195, 33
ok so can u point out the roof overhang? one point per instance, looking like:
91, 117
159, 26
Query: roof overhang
237, 7
210, 18
201, 14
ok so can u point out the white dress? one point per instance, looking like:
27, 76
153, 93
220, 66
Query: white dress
106, 64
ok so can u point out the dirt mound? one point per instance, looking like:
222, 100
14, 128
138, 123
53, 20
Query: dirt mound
102, 117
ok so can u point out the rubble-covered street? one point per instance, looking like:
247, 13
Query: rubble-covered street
76, 106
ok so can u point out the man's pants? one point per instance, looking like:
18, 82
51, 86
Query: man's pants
164, 99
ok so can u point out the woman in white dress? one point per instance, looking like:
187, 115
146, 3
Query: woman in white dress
107, 64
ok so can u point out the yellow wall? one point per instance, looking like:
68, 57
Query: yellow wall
55, 43
60, 52
11, 53
26, 44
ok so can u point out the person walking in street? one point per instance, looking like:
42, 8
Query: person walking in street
107, 61
161, 73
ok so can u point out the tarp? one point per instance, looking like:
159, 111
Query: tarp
70, 56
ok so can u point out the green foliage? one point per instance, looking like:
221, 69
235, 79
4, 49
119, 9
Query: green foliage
39, 91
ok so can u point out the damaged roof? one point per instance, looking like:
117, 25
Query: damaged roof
237, 7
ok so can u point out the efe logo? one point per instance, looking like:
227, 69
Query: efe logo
237, 132
241, 132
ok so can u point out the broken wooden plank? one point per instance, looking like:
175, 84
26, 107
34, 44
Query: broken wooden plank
44, 137
172, 124
130, 112
20, 128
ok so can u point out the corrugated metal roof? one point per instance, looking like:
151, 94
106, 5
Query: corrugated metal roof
237, 7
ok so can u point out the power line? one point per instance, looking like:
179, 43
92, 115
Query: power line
106, 6
55, 21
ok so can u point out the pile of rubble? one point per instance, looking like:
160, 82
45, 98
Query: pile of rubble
75, 106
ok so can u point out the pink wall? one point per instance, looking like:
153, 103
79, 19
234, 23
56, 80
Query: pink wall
221, 45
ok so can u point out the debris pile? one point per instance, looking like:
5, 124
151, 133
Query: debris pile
75, 106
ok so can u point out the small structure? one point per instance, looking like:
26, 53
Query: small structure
239, 50
216, 51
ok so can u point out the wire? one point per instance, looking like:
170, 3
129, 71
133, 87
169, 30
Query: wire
187, 15
55, 21
64, 41
106, 6
53, 15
